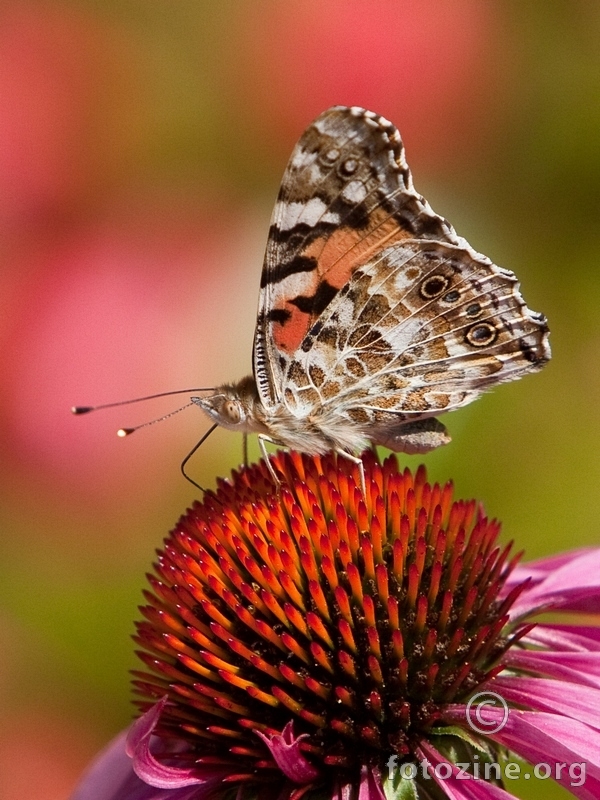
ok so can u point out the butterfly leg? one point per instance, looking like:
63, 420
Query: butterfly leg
263, 449
245, 448
359, 464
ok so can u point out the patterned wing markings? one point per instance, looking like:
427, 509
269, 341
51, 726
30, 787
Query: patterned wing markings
456, 325
459, 309
346, 194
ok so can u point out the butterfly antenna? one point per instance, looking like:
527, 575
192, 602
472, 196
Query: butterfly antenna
123, 432
86, 409
191, 453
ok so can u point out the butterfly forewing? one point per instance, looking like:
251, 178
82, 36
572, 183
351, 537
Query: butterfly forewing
346, 195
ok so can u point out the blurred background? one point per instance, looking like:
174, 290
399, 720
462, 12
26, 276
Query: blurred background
141, 149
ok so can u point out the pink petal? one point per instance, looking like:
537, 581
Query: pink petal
551, 739
285, 749
554, 739
573, 586
565, 739
160, 775
108, 775
111, 777
540, 694
370, 784
576, 667
538, 570
565, 637
463, 788
344, 791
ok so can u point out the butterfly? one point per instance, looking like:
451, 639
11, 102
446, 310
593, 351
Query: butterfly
374, 316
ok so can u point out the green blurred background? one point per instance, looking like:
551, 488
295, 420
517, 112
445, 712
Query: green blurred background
141, 149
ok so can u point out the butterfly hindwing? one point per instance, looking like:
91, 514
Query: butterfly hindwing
422, 328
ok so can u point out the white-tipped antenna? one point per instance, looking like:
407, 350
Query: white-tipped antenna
123, 432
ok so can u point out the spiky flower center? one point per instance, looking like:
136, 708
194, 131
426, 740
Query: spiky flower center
359, 618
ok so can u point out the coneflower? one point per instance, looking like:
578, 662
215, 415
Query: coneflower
307, 640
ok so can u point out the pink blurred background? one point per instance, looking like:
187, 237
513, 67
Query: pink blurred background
141, 148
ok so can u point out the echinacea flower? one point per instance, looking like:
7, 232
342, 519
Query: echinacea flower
307, 641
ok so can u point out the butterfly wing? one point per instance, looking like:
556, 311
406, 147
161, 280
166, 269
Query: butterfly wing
346, 194
421, 328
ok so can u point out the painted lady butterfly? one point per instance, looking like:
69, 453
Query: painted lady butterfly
374, 316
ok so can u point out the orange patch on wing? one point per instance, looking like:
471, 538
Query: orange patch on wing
346, 249
338, 255
288, 337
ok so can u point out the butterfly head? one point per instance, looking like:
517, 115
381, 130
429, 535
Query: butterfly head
232, 406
